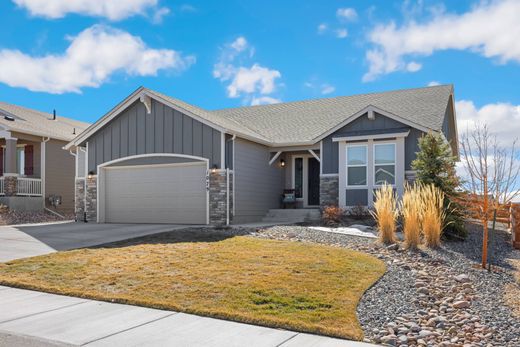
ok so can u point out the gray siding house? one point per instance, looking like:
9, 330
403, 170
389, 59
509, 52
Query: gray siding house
35, 170
156, 159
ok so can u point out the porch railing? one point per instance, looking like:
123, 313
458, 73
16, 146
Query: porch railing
2, 191
28, 186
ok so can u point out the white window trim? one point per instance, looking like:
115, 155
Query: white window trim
347, 166
305, 183
382, 143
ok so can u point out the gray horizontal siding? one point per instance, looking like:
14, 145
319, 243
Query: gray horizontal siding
330, 148
165, 130
258, 185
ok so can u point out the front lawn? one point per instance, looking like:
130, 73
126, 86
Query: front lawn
293, 285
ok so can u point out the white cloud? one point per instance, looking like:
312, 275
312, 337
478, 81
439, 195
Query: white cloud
240, 44
254, 83
348, 14
503, 119
434, 83
341, 33
252, 80
264, 100
159, 15
111, 9
322, 28
91, 58
413, 66
327, 89
491, 29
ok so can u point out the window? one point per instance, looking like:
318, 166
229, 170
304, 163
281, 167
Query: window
384, 163
357, 165
298, 177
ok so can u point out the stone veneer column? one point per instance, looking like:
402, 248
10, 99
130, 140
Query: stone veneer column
218, 197
91, 199
329, 190
10, 185
79, 199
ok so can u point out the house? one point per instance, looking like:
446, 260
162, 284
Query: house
156, 159
36, 172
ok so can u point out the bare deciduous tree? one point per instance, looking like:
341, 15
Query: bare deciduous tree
493, 171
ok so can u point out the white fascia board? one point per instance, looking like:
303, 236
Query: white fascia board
125, 104
370, 137
369, 109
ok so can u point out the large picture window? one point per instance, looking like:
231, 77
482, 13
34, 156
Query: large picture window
356, 165
384, 163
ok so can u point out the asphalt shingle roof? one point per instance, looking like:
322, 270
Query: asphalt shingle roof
39, 123
304, 121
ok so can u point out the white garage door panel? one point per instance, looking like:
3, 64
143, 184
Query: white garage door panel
156, 194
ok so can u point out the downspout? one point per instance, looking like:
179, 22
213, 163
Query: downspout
43, 152
75, 155
227, 196
227, 182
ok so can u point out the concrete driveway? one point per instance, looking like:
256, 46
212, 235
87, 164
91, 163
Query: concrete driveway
32, 240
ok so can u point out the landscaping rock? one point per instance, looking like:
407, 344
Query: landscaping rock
461, 304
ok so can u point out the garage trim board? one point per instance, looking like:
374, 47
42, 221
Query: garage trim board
160, 162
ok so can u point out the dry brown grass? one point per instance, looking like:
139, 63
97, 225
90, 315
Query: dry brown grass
385, 213
411, 209
433, 214
293, 285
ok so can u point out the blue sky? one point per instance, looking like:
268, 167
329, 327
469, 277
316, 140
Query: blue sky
82, 59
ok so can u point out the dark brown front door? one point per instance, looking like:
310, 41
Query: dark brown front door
313, 197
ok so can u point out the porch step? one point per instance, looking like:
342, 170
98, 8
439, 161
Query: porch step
299, 215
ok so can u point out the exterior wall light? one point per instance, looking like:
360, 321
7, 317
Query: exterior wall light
90, 175
282, 162
214, 169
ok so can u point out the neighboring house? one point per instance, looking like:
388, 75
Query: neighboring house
33, 164
155, 159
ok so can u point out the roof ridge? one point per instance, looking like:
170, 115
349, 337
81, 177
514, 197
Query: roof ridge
331, 98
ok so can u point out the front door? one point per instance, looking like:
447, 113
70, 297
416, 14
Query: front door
313, 182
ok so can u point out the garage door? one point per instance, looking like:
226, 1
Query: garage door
174, 193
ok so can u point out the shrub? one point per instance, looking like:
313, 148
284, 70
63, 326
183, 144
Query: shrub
435, 164
385, 213
332, 215
433, 214
358, 212
411, 210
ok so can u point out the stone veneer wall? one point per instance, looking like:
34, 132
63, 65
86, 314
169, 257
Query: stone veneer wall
10, 185
91, 198
329, 190
79, 199
218, 197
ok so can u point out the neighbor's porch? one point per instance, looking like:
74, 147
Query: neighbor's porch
20, 166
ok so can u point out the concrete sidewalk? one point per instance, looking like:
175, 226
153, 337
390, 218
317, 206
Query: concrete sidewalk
29, 318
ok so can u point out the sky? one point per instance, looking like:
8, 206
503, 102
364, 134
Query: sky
82, 57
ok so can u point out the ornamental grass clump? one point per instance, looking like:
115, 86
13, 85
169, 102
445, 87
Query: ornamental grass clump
411, 211
385, 213
433, 214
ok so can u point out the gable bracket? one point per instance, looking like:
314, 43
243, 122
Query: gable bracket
274, 157
147, 101
315, 155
